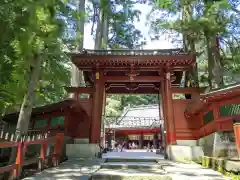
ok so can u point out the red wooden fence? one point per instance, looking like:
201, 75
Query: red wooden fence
16, 168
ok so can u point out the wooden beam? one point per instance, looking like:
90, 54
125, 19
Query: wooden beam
148, 79
175, 59
119, 84
90, 67
123, 90
79, 90
185, 90
138, 68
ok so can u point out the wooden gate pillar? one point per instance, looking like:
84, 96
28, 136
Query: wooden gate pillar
168, 110
97, 108
141, 141
236, 127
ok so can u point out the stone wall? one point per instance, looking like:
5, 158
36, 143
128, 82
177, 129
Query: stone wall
219, 144
207, 144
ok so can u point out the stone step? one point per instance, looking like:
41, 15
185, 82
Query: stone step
130, 165
130, 174
132, 157
108, 160
82, 150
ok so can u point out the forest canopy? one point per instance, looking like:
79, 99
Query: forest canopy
37, 35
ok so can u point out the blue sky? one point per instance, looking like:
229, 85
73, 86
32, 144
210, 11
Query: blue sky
162, 43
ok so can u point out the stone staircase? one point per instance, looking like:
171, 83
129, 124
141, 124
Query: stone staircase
130, 168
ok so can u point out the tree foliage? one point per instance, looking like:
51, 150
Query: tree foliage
30, 28
208, 21
48, 28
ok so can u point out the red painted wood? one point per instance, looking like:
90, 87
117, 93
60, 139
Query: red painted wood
170, 121
86, 61
164, 109
141, 79
218, 98
216, 114
7, 168
186, 90
171, 138
43, 151
22, 146
140, 90
228, 100
98, 96
220, 95
237, 135
8, 144
19, 160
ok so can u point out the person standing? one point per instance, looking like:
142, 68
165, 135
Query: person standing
150, 147
123, 145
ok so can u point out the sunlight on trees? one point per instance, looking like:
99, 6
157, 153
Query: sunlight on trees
36, 35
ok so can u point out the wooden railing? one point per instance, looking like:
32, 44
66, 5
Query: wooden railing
42, 160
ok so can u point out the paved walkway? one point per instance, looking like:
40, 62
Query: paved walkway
124, 164
73, 169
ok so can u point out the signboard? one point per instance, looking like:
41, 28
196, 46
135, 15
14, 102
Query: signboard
133, 137
148, 137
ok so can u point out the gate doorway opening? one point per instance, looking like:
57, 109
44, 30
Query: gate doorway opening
126, 120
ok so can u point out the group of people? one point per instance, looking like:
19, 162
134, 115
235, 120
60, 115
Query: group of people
118, 147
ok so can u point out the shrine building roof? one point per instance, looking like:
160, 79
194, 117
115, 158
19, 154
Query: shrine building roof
12, 118
145, 116
221, 94
214, 96
161, 57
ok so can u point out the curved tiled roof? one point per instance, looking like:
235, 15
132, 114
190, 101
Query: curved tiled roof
134, 52
173, 57
145, 116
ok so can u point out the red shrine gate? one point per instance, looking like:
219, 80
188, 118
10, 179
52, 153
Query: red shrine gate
139, 72
122, 71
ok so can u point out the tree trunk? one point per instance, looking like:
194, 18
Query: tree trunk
105, 32
218, 75
99, 31
210, 59
27, 105
77, 78
214, 62
215, 77
188, 40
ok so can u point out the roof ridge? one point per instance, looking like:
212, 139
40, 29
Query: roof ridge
144, 106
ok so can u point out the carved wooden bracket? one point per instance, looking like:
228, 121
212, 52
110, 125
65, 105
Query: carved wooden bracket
132, 86
132, 74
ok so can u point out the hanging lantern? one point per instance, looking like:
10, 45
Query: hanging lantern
97, 75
